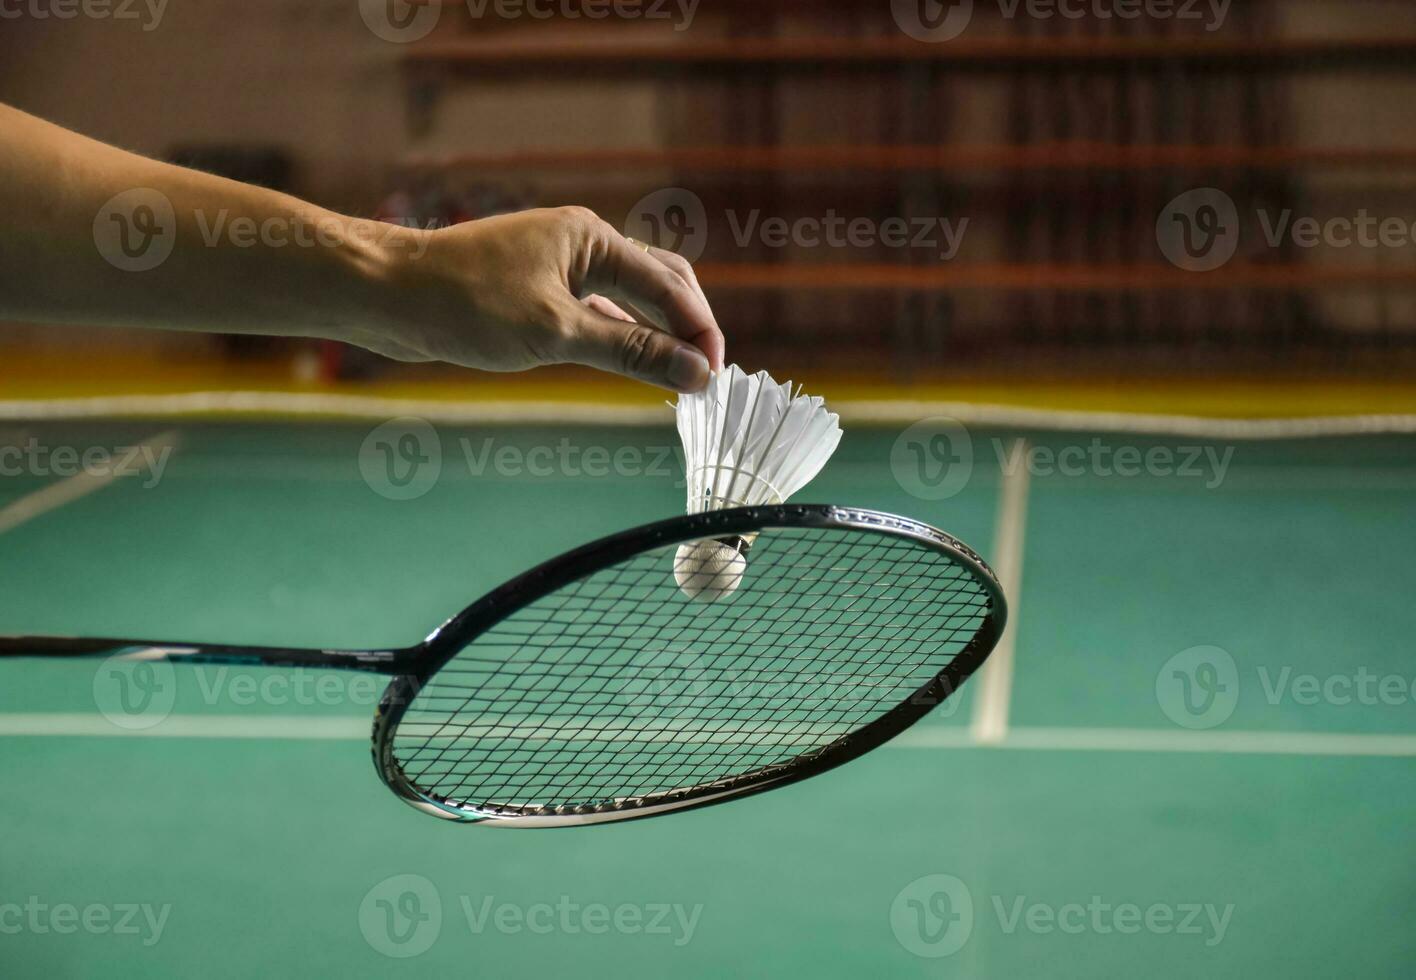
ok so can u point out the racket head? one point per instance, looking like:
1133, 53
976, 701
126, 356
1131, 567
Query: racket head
422, 743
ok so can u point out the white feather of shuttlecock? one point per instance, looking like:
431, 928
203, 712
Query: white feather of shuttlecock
748, 440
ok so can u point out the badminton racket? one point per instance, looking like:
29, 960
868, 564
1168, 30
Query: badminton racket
591, 690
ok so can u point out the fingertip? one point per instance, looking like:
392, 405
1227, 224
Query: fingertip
687, 370
713, 346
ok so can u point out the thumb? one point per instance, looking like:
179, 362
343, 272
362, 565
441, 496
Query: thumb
635, 351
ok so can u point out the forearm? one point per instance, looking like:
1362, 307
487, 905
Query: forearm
92, 234
242, 258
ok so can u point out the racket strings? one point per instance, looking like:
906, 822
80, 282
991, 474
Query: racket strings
618, 687
762, 735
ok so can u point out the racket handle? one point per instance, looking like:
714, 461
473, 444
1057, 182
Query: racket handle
376, 661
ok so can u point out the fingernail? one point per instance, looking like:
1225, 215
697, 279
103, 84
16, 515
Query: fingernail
688, 369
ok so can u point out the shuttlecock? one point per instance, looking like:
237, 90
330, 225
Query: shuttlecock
747, 440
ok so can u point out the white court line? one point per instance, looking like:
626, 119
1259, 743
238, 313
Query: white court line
356, 728
306, 727
989, 724
1165, 740
55, 495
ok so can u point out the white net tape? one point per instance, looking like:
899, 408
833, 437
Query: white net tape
368, 407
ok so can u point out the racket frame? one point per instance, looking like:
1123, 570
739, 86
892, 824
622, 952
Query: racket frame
457, 633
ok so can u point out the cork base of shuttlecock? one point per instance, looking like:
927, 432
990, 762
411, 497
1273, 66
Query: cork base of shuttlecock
708, 570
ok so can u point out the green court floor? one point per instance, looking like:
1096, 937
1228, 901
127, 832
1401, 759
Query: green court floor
1209, 766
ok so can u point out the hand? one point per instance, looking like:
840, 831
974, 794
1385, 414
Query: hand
546, 287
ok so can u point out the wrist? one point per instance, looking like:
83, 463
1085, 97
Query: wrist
374, 261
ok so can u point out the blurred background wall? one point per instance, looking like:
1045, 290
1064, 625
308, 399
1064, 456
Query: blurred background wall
1056, 142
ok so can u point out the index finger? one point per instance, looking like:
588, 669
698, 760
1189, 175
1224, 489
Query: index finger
632, 275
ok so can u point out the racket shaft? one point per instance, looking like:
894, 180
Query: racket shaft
376, 661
